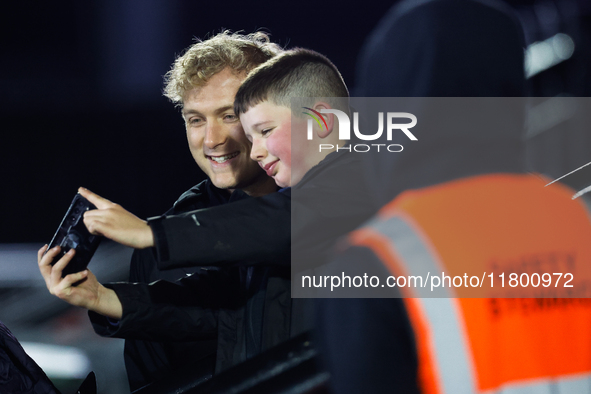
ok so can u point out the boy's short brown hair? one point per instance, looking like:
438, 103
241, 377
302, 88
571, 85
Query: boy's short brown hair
298, 74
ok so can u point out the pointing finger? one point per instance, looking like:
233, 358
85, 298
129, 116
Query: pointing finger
94, 198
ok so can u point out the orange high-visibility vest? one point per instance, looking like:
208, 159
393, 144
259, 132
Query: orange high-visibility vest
492, 345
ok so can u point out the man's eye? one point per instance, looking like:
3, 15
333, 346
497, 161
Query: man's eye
195, 121
230, 118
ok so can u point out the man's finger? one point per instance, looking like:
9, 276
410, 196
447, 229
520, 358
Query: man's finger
45, 260
93, 222
56, 272
94, 198
65, 287
41, 252
71, 279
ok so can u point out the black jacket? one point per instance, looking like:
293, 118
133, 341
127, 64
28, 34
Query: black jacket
256, 232
19, 374
330, 200
211, 319
294, 227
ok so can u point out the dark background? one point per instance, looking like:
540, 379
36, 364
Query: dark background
81, 83
81, 105
81, 96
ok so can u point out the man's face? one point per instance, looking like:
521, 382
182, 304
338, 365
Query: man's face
268, 126
216, 139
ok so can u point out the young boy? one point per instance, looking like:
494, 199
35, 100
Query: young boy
283, 94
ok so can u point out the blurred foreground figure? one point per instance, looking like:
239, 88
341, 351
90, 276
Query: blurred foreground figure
456, 200
19, 374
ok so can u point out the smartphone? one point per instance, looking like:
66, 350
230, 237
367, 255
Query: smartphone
72, 234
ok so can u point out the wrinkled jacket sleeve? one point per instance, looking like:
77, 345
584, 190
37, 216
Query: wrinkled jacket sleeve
19, 373
185, 310
225, 235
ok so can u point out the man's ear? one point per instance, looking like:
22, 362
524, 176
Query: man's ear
329, 120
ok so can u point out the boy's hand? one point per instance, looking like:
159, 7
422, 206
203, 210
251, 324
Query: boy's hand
79, 289
114, 222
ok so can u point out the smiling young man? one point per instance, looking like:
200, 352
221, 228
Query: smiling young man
216, 138
225, 324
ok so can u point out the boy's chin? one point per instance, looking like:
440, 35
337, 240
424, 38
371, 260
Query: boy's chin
282, 182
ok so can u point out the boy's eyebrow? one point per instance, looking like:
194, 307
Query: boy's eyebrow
258, 124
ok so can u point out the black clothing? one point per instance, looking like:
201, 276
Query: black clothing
445, 48
298, 225
226, 234
19, 374
428, 48
306, 219
144, 267
250, 233
145, 360
201, 306
361, 337
220, 327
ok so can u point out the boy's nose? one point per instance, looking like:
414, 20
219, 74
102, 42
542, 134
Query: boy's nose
257, 151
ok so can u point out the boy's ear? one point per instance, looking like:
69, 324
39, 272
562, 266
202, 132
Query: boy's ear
328, 118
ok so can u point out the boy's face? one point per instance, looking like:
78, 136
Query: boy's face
268, 127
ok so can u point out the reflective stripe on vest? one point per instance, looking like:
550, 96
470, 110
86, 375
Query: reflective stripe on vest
463, 347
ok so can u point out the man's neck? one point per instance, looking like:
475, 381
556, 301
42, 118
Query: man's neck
264, 185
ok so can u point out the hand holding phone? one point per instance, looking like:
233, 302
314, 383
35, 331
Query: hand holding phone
72, 234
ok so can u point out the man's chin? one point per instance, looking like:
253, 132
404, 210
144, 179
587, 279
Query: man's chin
238, 179
221, 183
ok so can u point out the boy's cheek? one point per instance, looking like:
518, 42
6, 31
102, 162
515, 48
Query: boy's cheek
280, 148
286, 156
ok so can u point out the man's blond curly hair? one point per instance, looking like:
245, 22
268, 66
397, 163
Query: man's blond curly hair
204, 59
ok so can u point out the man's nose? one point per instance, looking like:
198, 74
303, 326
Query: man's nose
214, 135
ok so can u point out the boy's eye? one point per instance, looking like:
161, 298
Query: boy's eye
266, 131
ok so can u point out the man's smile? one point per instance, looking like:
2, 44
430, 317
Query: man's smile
223, 158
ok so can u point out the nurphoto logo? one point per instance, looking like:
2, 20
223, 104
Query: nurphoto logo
345, 129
